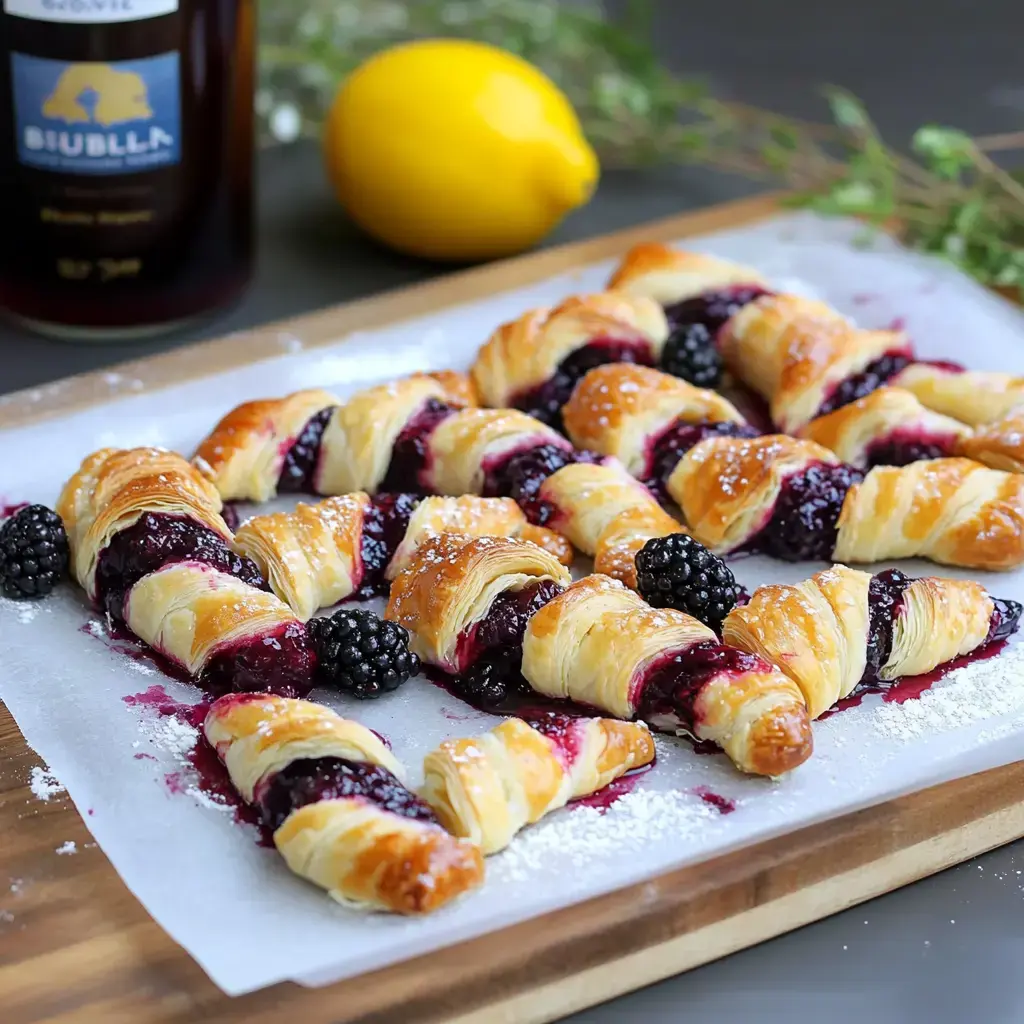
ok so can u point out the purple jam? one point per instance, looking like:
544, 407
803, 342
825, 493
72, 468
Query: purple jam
1004, 621
664, 454
562, 731
545, 401
310, 780
671, 687
804, 523
871, 378
521, 475
885, 603
384, 524
500, 632
902, 449
299, 469
281, 662
410, 454
157, 540
712, 310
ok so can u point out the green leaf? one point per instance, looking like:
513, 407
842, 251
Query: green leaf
946, 151
847, 110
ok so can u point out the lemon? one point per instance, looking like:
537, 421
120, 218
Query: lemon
456, 150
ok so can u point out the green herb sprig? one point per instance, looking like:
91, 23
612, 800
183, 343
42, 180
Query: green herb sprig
946, 196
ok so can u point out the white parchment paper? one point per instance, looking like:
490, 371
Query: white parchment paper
232, 904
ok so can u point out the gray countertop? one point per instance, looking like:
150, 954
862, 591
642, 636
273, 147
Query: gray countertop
947, 949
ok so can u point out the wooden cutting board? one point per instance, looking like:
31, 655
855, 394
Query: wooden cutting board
81, 948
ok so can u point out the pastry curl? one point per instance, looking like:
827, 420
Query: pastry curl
330, 791
843, 628
222, 632
488, 787
524, 355
318, 555
973, 397
670, 275
796, 353
887, 427
951, 511
999, 444
600, 645
451, 584
620, 409
114, 488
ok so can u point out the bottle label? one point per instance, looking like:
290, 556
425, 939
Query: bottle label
90, 11
97, 118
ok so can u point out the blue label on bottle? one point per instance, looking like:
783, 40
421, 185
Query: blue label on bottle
97, 118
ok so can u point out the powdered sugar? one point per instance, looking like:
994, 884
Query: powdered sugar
987, 689
44, 784
66, 849
171, 734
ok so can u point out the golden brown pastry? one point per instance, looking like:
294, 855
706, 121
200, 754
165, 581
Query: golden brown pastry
455, 589
331, 793
796, 353
670, 275
486, 788
999, 444
621, 410
519, 362
843, 628
973, 397
320, 554
600, 645
887, 427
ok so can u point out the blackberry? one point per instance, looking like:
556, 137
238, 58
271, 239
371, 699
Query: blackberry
33, 552
679, 572
690, 353
361, 654
489, 682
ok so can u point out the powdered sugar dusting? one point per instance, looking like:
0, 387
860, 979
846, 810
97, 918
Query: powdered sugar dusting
986, 689
44, 784
66, 849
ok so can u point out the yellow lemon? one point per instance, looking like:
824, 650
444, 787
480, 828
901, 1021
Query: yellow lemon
456, 150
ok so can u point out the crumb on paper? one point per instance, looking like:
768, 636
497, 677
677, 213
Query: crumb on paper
44, 784
6, 916
66, 849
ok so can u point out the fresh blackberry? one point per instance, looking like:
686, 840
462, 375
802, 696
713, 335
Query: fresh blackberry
690, 353
33, 552
489, 682
679, 572
361, 654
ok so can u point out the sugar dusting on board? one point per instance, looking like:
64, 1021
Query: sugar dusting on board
44, 784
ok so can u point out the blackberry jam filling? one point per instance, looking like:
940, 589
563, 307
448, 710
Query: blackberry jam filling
410, 455
562, 730
710, 311
280, 662
520, 477
670, 688
872, 377
311, 780
885, 602
803, 525
545, 401
156, 540
902, 450
1004, 621
674, 443
301, 459
384, 524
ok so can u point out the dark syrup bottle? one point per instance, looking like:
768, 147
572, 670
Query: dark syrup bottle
126, 151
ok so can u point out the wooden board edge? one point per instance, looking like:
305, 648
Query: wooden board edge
331, 325
813, 903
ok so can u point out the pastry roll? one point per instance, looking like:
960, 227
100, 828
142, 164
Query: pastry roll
888, 427
604, 512
601, 645
622, 411
973, 397
331, 794
129, 512
488, 787
999, 444
806, 359
318, 555
843, 628
225, 634
460, 597
532, 363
